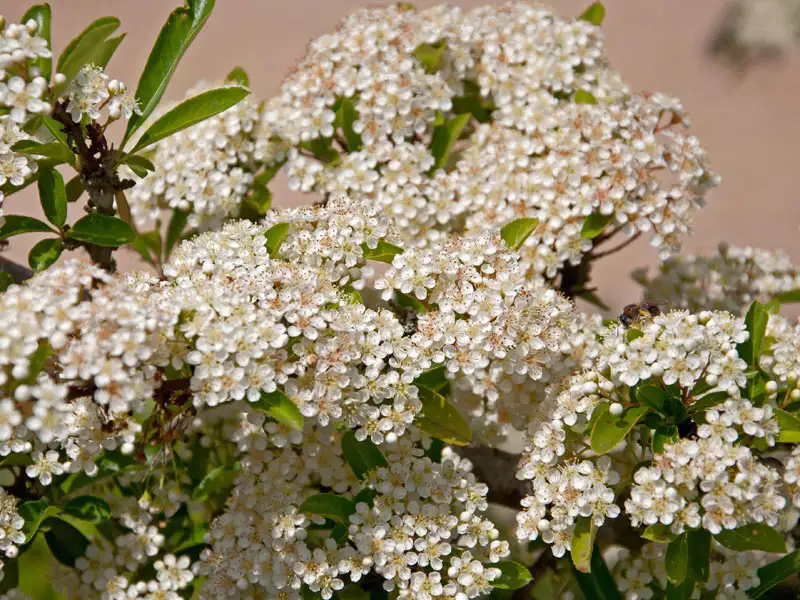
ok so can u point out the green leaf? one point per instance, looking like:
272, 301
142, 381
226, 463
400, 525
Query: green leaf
366, 495
107, 51
88, 47
756, 321
268, 173
322, 150
34, 512
346, 115
594, 300
595, 224
610, 430
102, 230
773, 306
280, 408
681, 591
66, 542
513, 575
330, 506
41, 14
788, 297
659, 533
433, 379
55, 150
10, 573
789, 427
189, 112
753, 536
599, 584
662, 437
444, 137
677, 558
699, 565
275, 236
594, 14
353, 592
708, 401
659, 400
177, 223
352, 295
633, 334
584, 97
74, 189
772, 574
37, 361
238, 75
430, 55
441, 420
45, 253
517, 231
135, 161
88, 508
384, 252
219, 478
361, 456
408, 301
17, 224
53, 196
6, 280
182, 26
472, 102
583, 544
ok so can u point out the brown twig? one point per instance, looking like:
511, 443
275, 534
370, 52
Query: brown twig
618, 247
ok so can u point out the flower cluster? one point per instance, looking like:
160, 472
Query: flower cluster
15, 168
541, 127
21, 83
418, 524
730, 279
91, 91
693, 461
11, 524
207, 169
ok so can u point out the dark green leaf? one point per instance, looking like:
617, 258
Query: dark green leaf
680, 591
610, 430
408, 301
280, 408
473, 102
137, 160
66, 542
599, 584
708, 401
756, 322
53, 196
182, 26
513, 575
383, 252
257, 203
677, 558
275, 236
268, 173
346, 115
41, 14
34, 512
177, 223
45, 253
55, 150
699, 563
220, 478
659, 533
56, 129
17, 224
330, 506
74, 189
6, 280
788, 297
238, 75
659, 400
584, 97
102, 230
444, 137
321, 149
107, 51
753, 536
361, 456
88, 508
516, 232
192, 111
88, 47
594, 14
430, 55
441, 420
433, 379
789, 426
37, 361
595, 224
772, 574
366, 495
10, 573
664, 436
583, 544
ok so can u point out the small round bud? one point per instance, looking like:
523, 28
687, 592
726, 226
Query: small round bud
712, 380
32, 26
543, 525
771, 387
616, 409
795, 394
59, 78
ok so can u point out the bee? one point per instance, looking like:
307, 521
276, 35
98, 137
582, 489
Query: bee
636, 313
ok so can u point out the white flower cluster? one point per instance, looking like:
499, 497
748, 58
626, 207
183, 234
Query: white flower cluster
418, 525
11, 524
730, 279
710, 477
554, 135
207, 169
91, 91
640, 576
499, 338
21, 84
757, 28
15, 168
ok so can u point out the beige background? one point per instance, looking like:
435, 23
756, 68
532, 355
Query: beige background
748, 123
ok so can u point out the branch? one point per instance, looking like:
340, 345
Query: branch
17, 271
618, 247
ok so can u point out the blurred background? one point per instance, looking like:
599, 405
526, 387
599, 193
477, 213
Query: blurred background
747, 119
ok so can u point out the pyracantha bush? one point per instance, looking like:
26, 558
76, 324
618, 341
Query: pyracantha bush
268, 411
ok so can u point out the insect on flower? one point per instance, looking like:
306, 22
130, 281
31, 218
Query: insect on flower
636, 313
